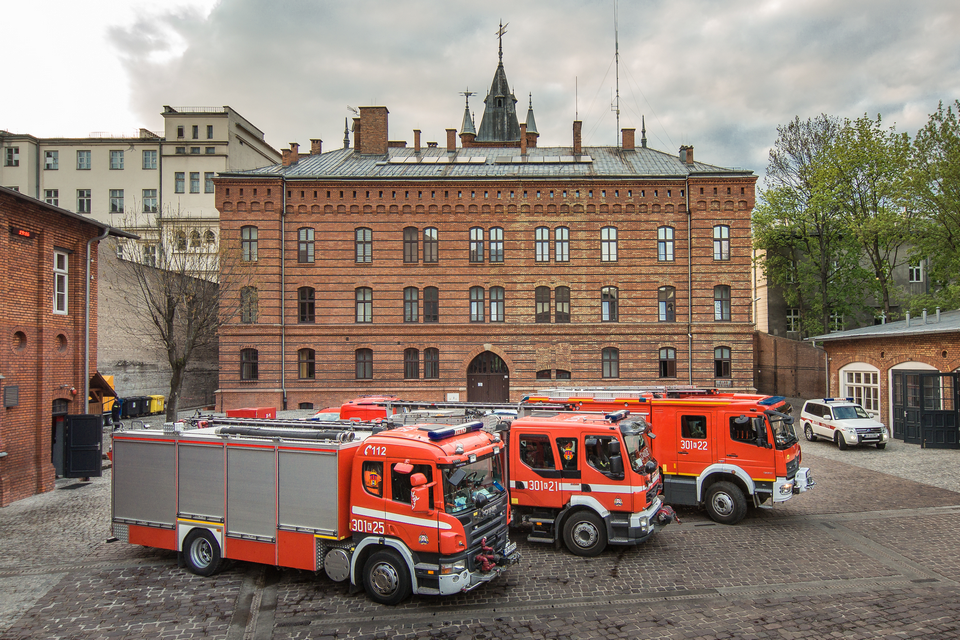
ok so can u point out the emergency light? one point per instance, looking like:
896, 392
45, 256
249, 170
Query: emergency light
772, 400
449, 432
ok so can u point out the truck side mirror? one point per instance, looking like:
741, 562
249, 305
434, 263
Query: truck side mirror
616, 466
418, 479
613, 448
420, 498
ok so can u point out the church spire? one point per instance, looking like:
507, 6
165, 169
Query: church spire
346, 135
499, 122
467, 126
643, 132
531, 122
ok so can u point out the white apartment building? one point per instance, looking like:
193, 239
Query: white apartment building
126, 181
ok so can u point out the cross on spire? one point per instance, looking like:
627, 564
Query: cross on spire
502, 30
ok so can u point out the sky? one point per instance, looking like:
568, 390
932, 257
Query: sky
720, 76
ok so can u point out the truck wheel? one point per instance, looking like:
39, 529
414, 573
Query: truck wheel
841, 442
808, 433
585, 534
202, 552
725, 503
881, 445
385, 578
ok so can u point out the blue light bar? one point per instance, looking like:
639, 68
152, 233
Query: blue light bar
449, 432
772, 400
617, 416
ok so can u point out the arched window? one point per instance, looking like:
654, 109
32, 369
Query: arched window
306, 364
306, 305
542, 243
608, 244
542, 297
721, 303
249, 303
411, 304
431, 363
667, 303
496, 244
608, 304
364, 304
411, 246
364, 361
248, 244
668, 362
194, 239
476, 244
721, 242
249, 364
561, 244
305, 245
563, 374
611, 362
180, 240
431, 245
561, 299
543, 374
411, 364
476, 304
431, 304
665, 244
364, 244
209, 237
496, 304
721, 362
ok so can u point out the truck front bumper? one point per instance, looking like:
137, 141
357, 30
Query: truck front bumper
469, 580
644, 524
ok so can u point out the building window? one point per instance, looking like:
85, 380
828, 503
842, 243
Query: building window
249, 303
561, 245
496, 244
83, 200
11, 157
561, 298
194, 239
411, 244
305, 245
194, 182
476, 304
562, 374
668, 362
51, 160
180, 240
431, 363
496, 304
306, 305
364, 244
52, 196
364, 362
150, 259
608, 244
543, 374
431, 245
864, 388
209, 238
665, 244
209, 150
431, 304
149, 200
915, 273
248, 244
667, 303
542, 297
179, 179
793, 319
195, 151
249, 366
476, 244
116, 160
721, 303
411, 304
411, 364
116, 200
209, 132
208, 181
721, 362
542, 240
83, 160
180, 151
180, 131
306, 364
364, 303
611, 362
196, 132
721, 242
608, 304
61, 272
149, 159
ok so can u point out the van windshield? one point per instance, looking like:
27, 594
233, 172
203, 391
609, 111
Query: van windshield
463, 486
850, 413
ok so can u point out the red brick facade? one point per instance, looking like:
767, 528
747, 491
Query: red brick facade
386, 204
42, 351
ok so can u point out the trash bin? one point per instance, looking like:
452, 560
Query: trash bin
131, 407
156, 404
145, 405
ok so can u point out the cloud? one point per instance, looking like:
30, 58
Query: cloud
718, 76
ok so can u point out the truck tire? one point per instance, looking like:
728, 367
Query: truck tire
585, 534
841, 442
808, 433
201, 552
725, 503
386, 579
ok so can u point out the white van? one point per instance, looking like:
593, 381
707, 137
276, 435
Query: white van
843, 421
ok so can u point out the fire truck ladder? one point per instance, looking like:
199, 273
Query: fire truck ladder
619, 393
293, 429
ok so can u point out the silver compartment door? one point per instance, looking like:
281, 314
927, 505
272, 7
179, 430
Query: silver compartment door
308, 491
201, 481
143, 481
251, 492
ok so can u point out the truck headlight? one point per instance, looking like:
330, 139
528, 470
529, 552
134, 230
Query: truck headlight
457, 567
643, 523
786, 488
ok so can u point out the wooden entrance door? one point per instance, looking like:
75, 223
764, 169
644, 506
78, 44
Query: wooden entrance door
488, 379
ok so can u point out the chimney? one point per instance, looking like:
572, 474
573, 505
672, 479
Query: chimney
451, 140
416, 140
686, 154
523, 139
292, 155
938, 314
908, 318
628, 136
577, 146
356, 134
373, 121
316, 146
924, 316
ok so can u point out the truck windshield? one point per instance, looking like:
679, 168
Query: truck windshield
463, 486
637, 451
784, 435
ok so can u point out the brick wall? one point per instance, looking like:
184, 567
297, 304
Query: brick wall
40, 352
789, 368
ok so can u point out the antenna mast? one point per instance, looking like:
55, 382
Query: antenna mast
616, 40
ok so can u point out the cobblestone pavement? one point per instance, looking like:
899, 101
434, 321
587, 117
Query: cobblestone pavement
866, 554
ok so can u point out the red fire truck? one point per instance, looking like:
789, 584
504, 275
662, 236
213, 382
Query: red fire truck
414, 509
717, 450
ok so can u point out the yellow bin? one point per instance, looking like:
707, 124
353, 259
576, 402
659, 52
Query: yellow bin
156, 404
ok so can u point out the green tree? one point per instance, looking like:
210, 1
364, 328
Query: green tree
861, 175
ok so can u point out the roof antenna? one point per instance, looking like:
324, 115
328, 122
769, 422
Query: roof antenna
616, 38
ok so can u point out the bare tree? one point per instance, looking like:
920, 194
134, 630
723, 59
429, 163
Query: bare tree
186, 282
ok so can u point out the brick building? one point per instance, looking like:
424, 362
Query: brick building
486, 267
45, 323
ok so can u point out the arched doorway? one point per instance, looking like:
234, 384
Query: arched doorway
488, 379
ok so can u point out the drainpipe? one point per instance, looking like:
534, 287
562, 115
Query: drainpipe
86, 326
689, 284
283, 293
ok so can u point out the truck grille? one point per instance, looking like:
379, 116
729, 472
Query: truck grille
654, 491
490, 524
792, 467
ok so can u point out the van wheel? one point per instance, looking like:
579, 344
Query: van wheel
386, 579
202, 552
808, 433
585, 534
841, 442
725, 503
